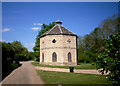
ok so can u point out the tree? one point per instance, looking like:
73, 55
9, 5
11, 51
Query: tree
110, 59
17, 46
24, 51
8, 60
12, 53
21, 53
44, 29
90, 49
31, 56
82, 56
94, 41
109, 26
21, 57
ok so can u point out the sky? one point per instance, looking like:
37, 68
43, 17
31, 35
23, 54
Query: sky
21, 21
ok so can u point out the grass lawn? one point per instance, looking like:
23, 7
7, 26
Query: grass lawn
72, 78
81, 66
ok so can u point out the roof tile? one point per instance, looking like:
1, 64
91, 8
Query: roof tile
58, 30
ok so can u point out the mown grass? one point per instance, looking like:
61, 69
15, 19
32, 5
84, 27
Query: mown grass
81, 66
50, 77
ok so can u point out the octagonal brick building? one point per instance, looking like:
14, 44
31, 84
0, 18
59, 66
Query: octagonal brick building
58, 46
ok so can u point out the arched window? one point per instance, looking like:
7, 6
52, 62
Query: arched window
42, 57
54, 57
69, 57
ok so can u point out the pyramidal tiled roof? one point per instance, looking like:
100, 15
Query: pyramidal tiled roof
58, 30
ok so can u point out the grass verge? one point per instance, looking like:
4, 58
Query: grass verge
81, 66
72, 78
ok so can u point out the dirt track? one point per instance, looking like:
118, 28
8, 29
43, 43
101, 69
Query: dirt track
26, 74
86, 71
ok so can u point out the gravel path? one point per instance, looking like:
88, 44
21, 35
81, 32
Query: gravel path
26, 74
89, 71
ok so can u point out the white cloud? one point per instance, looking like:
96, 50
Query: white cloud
31, 44
5, 30
37, 24
34, 23
35, 28
2, 40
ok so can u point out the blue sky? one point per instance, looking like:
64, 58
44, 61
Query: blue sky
21, 21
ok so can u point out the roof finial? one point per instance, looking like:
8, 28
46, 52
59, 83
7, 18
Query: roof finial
58, 19
58, 22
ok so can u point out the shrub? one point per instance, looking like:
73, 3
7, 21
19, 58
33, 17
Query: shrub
110, 59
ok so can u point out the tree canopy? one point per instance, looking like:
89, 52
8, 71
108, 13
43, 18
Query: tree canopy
92, 44
44, 29
109, 61
12, 53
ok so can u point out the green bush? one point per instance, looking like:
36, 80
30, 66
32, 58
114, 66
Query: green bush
87, 60
110, 59
14, 65
8, 60
31, 56
84, 59
21, 57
